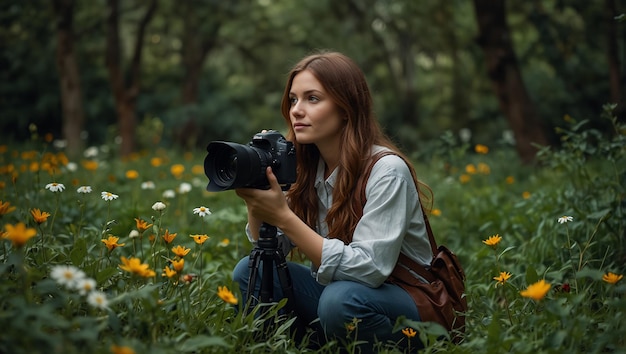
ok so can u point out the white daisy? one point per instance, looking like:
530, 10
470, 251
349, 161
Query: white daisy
133, 234
148, 185
158, 206
563, 219
184, 188
84, 189
202, 211
108, 196
98, 299
66, 275
169, 194
86, 286
55, 187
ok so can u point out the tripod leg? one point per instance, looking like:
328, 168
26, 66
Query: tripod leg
253, 264
285, 280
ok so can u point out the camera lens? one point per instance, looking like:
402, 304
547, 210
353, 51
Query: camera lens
231, 165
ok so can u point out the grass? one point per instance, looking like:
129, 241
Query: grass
134, 292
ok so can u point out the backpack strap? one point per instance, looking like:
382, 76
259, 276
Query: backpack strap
361, 197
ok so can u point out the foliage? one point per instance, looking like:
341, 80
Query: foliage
559, 222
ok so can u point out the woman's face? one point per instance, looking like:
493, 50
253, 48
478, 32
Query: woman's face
315, 117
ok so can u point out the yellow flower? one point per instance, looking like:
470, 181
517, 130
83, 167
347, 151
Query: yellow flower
111, 243
19, 234
168, 272
132, 174
39, 216
5, 208
199, 239
464, 178
168, 237
177, 170
142, 225
134, 265
180, 251
504, 276
493, 240
116, 349
436, 212
409, 332
178, 264
90, 165
484, 168
510, 180
471, 169
481, 149
197, 169
226, 295
526, 195
536, 291
612, 278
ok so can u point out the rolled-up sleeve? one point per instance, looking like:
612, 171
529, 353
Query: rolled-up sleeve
391, 204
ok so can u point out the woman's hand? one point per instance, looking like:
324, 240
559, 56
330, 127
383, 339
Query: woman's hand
266, 205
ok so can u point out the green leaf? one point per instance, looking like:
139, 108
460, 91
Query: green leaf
78, 253
105, 274
531, 275
202, 341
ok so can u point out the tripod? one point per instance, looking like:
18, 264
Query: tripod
267, 251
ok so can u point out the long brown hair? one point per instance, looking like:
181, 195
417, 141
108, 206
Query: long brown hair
346, 85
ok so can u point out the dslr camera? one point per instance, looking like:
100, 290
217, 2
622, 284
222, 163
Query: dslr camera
230, 165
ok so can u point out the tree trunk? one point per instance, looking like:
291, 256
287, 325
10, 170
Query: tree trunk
504, 73
615, 74
125, 92
69, 78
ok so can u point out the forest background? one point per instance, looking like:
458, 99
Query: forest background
180, 74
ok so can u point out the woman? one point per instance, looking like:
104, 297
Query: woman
328, 109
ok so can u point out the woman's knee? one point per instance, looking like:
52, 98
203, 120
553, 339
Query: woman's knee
241, 271
337, 306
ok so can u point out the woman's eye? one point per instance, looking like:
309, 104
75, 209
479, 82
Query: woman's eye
293, 100
313, 99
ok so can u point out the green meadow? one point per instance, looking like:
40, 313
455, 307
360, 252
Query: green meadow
104, 255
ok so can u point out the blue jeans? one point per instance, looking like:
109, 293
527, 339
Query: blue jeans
339, 303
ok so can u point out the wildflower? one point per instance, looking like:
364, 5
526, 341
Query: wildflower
116, 349
409, 332
177, 170
55, 187
134, 266
148, 185
158, 206
526, 195
470, 169
108, 196
5, 208
67, 275
436, 212
226, 295
509, 180
225, 242
563, 219
536, 291
19, 234
39, 216
504, 276
132, 174
85, 286
612, 278
199, 239
111, 243
493, 240
142, 225
197, 169
98, 300
156, 162
90, 152
464, 178
484, 169
184, 188
133, 234
180, 251
202, 211
188, 278
169, 194
178, 264
84, 189
167, 237
168, 272
481, 149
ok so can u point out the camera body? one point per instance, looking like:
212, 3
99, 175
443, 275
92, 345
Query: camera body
230, 165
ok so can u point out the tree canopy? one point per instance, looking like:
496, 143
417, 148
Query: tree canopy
186, 73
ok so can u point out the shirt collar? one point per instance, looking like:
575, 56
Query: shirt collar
319, 177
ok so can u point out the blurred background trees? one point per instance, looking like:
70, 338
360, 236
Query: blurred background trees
144, 73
